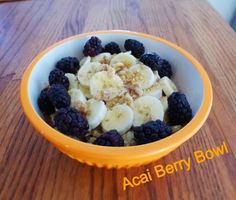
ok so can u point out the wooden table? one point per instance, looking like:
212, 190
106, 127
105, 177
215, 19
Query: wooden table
31, 168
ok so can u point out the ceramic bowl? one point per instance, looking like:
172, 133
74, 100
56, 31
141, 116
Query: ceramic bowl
189, 76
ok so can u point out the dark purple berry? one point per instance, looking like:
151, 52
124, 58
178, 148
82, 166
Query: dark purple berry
71, 122
164, 68
68, 65
110, 138
59, 96
112, 48
179, 111
156, 63
44, 103
57, 76
151, 60
151, 131
137, 49
93, 47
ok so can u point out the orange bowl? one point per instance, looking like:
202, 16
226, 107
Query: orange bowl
189, 76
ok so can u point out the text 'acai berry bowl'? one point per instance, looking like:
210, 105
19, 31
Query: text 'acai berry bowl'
116, 98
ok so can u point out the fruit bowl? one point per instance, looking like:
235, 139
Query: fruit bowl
189, 76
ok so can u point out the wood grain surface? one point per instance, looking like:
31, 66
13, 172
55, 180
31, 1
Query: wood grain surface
31, 168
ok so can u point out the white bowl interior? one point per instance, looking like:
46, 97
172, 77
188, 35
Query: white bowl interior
186, 77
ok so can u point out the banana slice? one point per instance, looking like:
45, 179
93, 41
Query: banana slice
147, 108
76, 97
103, 58
164, 103
121, 99
120, 118
85, 90
142, 75
155, 90
96, 111
105, 85
87, 70
126, 58
156, 74
167, 85
85, 60
72, 80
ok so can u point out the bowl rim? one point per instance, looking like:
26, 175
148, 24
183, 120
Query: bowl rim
118, 154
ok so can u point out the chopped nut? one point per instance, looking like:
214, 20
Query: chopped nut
85, 90
105, 60
118, 66
90, 138
129, 138
135, 90
96, 132
82, 107
122, 99
93, 134
138, 91
155, 90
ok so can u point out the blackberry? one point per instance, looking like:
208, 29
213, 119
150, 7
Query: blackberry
110, 138
151, 131
164, 68
68, 65
156, 63
112, 48
93, 47
71, 122
57, 76
151, 60
137, 49
59, 96
44, 103
179, 111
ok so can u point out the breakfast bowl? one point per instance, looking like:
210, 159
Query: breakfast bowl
188, 74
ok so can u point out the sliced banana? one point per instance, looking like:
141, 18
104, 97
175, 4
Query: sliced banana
103, 58
78, 100
121, 99
113, 55
85, 90
105, 85
156, 74
164, 102
142, 75
85, 60
120, 118
155, 90
72, 80
167, 85
147, 108
96, 111
76, 97
87, 70
126, 58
